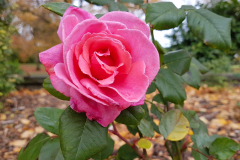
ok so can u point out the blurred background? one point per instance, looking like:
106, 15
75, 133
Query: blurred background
26, 29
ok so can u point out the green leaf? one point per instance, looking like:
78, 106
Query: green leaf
212, 29
170, 86
198, 156
131, 116
202, 140
51, 150
104, 154
164, 15
191, 116
115, 6
144, 143
57, 7
151, 88
157, 111
178, 61
202, 127
100, 2
98, 15
49, 87
159, 98
149, 118
80, 138
132, 129
174, 126
187, 7
126, 152
132, 1
146, 128
192, 77
48, 118
32, 150
202, 69
223, 148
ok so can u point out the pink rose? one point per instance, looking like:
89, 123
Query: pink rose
104, 65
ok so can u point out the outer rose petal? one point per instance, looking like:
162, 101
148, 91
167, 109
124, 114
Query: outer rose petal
68, 23
132, 86
131, 21
49, 59
103, 114
79, 13
114, 26
142, 49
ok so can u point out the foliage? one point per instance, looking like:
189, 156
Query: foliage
8, 64
213, 58
81, 138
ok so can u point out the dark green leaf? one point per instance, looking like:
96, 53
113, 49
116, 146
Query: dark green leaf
151, 88
48, 118
164, 15
159, 98
223, 148
132, 129
51, 150
131, 116
49, 87
100, 2
146, 128
202, 140
212, 29
149, 118
161, 51
32, 150
132, 1
192, 77
98, 15
170, 86
202, 126
57, 7
178, 61
198, 156
104, 154
115, 6
80, 138
156, 110
202, 69
126, 152
187, 7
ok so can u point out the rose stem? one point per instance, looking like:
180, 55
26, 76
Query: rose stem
133, 146
198, 151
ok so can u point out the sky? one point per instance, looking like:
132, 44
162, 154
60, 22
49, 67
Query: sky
159, 35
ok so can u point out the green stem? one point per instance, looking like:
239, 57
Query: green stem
152, 35
178, 151
168, 149
121, 137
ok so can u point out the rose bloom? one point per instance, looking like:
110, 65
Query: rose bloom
104, 65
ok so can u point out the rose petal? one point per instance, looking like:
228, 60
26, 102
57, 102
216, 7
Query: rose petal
78, 13
68, 23
132, 86
60, 85
61, 74
91, 26
114, 26
130, 20
142, 49
51, 57
103, 114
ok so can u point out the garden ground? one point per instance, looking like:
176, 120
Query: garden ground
219, 108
